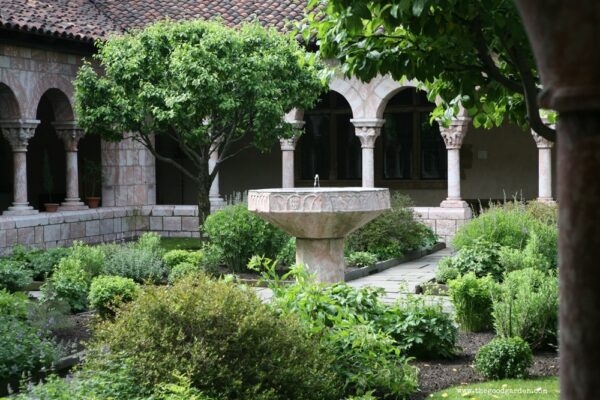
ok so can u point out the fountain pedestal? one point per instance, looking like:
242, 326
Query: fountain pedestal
320, 219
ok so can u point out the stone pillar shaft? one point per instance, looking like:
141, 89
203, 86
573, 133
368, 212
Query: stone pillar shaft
71, 134
214, 194
288, 147
544, 168
18, 133
453, 138
368, 130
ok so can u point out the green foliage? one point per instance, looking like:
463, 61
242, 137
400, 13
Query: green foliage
472, 300
180, 390
504, 358
223, 338
527, 307
196, 81
480, 257
392, 234
139, 263
446, 270
475, 52
361, 259
107, 293
287, 254
212, 258
13, 305
91, 257
241, 234
23, 348
70, 282
43, 262
176, 257
14, 275
149, 241
421, 330
182, 270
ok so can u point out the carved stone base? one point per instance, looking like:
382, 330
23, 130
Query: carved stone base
20, 210
449, 203
72, 206
217, 203
323, 257
546, 200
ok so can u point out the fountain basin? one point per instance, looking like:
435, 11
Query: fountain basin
320, 219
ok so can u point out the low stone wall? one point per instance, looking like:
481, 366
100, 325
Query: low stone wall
104, 224
444, 221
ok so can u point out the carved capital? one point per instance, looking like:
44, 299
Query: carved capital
69, 133
18, 132
541, 142
296, 124
367, 130
288, 144
454, 134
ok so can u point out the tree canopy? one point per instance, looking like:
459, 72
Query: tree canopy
201, 84
469, 52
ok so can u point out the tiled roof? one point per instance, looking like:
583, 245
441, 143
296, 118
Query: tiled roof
87, 20
71, 19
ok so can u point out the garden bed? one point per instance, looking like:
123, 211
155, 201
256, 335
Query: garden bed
435, 375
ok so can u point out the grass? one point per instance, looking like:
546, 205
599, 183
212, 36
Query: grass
513, 389
173, 243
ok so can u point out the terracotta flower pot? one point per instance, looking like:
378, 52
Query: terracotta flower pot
51, 207
93, 202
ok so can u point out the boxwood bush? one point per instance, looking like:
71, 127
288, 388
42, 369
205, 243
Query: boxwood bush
107, 293
229, 343
504, 358
241, 234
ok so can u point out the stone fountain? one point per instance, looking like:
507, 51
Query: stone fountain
320, 218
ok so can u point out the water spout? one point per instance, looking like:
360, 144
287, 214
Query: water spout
317, 183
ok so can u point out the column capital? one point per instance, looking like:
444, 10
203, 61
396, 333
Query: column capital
18, 132
69, 133
541, 142
368, 130
297, 124
454, 134
288, 144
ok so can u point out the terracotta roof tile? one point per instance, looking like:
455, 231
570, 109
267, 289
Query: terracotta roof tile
87, 20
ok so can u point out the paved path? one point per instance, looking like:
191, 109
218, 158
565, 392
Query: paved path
398, 280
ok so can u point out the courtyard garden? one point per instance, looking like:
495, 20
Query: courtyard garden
150, 319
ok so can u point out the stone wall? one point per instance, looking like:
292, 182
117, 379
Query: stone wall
444, 221
104, 224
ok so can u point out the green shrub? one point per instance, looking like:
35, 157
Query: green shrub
70, 282
108, 292
43, 262
91, 257
224, 338
392, 234
446, 271
182, 270
369, 361
421, 330
504, 358
176, 257
14, 275
480, 257
212, 258
472, 300
361, 259
136, 262
527, 307
241, 234
287, 254
149, 241
13, 305
23, 348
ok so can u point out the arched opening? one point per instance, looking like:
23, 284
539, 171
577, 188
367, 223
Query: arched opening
172, 185
9, 109
412, 148
329, 146
46, 169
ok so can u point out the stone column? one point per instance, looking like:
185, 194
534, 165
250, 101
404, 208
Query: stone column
544, 168
216, 201
18, 133
288, 146
70, 135
368, 131
453, 138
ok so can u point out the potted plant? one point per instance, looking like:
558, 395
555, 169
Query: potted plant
92, 176
48, 184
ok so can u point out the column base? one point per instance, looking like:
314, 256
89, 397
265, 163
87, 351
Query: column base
21, 209
323, 257
72, 205
454, 203
216, 203
546, 200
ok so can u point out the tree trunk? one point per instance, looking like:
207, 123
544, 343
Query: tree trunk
203, 195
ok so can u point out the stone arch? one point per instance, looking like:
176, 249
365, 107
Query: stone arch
60, 92
9, 104
386, 90
60, 103
347, 89
296, 114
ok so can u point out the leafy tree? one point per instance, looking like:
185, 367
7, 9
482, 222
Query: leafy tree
201, 84
476, 49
